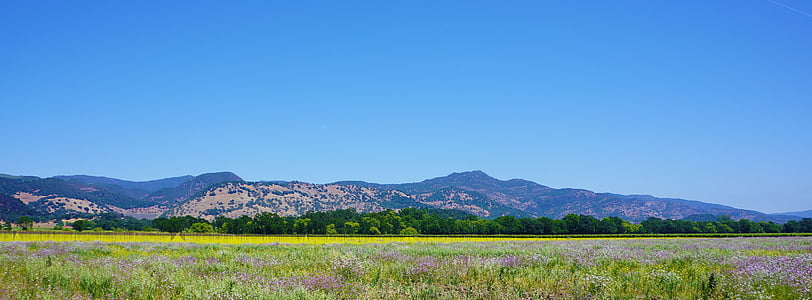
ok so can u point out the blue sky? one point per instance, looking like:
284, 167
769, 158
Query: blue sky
703, 100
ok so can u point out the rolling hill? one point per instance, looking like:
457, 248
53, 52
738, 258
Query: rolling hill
12, 208
803, 214
133, 189
474, 192
226, 194
84, 195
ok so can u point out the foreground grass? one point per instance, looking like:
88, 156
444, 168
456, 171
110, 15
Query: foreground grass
734, 268
156, 237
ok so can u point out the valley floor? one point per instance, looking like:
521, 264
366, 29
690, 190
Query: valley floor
688, 268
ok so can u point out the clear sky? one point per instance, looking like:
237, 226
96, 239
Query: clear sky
703, 100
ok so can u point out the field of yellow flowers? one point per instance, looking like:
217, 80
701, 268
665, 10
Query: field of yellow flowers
215, 267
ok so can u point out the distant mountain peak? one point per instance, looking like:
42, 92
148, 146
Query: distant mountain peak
192, 186
469, 176
224, 176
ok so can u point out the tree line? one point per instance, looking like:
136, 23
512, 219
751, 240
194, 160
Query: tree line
411, 221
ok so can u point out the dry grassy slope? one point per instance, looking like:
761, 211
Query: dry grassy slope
28, 197
237, 199
150, 212
453, 199
57, 204
292, 199
53, 203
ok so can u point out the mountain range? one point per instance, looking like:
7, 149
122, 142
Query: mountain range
226, 194
803, 214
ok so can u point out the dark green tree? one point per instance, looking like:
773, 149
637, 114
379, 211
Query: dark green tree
770, 227
652, 225
173, 224
509, 224
25, 222
81, 225
201, 227
745, 226
792, 226
611, 225
410, 231
270, 223
806, 225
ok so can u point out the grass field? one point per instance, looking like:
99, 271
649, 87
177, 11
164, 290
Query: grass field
56, 236
155, 237
353, 268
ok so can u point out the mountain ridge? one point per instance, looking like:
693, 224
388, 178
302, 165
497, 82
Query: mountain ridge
82, 195
477, 193
224, 193
135, 189
803, 214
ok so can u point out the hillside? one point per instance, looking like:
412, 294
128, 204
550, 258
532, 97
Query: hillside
42, 191
84, 195
474, 192
539, 200
165, 198
234, 199
226, 194
172, 195
133, 189
802, 214
12, 208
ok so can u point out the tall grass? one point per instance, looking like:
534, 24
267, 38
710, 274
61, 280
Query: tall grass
739, 268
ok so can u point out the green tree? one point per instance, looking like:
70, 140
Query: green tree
331, 229
81, 225
708, 227
351, 227
581, 224
792, 226
631, 228
269, 223
571, 222
368, 222
546, 225
611, 225
723, 228
652, 225
770, 227
25, 222
531, 226
510, 224
431, 224
410, 231
806, 225
173, 224
201, 227
745, 226
301, 226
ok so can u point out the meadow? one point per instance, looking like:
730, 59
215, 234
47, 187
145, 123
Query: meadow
685, 268
237, 239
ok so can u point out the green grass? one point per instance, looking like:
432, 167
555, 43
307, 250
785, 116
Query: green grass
733, 268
